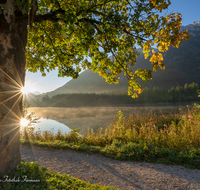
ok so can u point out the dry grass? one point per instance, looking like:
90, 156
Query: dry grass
179, 131
169, 139
96, 117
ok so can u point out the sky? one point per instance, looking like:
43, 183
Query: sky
190, 13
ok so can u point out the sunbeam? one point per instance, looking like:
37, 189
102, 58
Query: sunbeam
12, 79
10, 130
9, 92
11, 97
10, 142
28, 94
12, 86
10, 110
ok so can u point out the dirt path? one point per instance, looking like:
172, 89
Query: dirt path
110, 172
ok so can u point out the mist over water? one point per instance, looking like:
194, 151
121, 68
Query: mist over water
66, 125
64, 119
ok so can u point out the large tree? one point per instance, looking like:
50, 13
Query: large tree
47, 34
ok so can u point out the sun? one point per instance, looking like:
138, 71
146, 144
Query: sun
24, 122
28, 88
25, 90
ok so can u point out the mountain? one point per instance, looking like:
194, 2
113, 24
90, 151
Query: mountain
186, 58
35, 93
182, 66
32, 98
90, 82
32, 94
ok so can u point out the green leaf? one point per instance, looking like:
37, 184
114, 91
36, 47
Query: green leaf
96, 30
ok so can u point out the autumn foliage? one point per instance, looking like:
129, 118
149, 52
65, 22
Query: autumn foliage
68, 33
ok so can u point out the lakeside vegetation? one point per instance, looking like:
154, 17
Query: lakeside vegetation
169, 139
165, 138
45, 179
155, 95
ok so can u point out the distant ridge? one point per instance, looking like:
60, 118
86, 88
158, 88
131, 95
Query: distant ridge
90, 82
35, 93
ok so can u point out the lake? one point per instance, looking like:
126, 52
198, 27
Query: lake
55, 118
50, 125
65, 125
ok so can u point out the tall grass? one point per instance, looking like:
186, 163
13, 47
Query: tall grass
178, 132
169, 139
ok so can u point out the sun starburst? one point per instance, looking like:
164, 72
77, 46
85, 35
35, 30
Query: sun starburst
24, 90
24, 122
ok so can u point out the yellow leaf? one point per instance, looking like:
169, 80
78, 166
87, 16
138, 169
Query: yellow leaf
146, 55
153, 58
167, 18
163, 67
156, 40
160, 56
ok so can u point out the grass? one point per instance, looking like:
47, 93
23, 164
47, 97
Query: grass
92, 116
44, 179
169, 139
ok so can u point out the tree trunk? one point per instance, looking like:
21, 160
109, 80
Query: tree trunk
13, 38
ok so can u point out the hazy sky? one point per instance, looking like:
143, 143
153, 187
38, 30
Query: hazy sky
190, 13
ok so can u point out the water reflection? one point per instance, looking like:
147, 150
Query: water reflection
92, 117
50, 125
88, 122
65, 125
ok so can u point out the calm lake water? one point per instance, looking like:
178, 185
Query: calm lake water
55, 118
50, 125
65, 125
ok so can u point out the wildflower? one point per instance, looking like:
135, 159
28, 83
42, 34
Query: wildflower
190, 116
165, 125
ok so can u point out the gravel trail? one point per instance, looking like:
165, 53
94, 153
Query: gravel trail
125, 175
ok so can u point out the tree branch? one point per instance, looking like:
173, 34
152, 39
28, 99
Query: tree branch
50, 16
91, 21
94, 6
